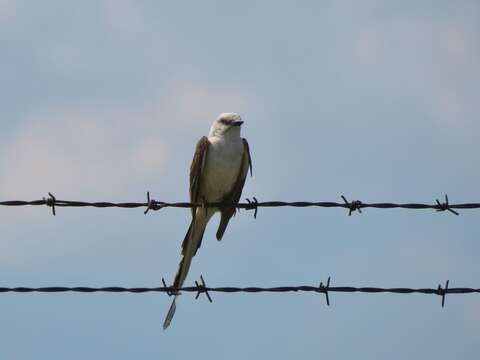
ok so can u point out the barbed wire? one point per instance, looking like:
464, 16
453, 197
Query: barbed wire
201, 288
151, 204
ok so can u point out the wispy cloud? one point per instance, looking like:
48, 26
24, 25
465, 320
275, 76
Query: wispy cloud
73, 151
89, 148
433, 60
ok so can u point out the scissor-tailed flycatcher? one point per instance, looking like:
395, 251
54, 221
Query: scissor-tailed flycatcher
217, 174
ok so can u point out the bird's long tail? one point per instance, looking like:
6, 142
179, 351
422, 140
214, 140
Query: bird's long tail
191, 243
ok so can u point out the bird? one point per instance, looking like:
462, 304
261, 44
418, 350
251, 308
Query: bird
218, 172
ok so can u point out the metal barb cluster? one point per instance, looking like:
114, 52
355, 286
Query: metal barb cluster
442, 292
325, 289
254, 204
445, 206
166, 289
352, 206
50, 202
151, 204
201, 287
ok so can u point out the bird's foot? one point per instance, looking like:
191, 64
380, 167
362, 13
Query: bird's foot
204, 205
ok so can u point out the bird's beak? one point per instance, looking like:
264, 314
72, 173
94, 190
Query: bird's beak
237, 123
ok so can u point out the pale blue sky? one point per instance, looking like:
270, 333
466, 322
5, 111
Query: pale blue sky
104, 100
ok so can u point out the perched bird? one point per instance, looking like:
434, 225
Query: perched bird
217, 175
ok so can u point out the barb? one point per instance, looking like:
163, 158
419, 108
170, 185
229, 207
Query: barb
352, 206
151, 204
249, 205
443, 292
200, 288
445, 206
325, 290
166, 289
253, 205
50, 201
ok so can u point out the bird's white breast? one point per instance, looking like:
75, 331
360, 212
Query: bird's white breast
222, 167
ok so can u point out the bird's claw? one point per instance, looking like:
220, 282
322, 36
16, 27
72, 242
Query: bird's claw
204, 205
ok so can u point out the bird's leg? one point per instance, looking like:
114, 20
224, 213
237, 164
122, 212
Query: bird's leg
227, 204
204, 204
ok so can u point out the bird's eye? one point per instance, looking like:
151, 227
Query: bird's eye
223, 121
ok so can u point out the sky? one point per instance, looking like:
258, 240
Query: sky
104, 100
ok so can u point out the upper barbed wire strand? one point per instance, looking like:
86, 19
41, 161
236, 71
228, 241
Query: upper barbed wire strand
254, 204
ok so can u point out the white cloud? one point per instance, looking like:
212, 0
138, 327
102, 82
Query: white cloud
8, 10
74, 151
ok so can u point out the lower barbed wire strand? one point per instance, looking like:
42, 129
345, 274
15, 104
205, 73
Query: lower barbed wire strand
230, 289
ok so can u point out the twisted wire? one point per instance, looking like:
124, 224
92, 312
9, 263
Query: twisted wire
202, 288
254, 204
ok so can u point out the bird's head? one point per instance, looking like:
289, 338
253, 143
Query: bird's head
226, 123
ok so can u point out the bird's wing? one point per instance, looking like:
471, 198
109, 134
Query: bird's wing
247, 150
196, 174
196, 169
236, 193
